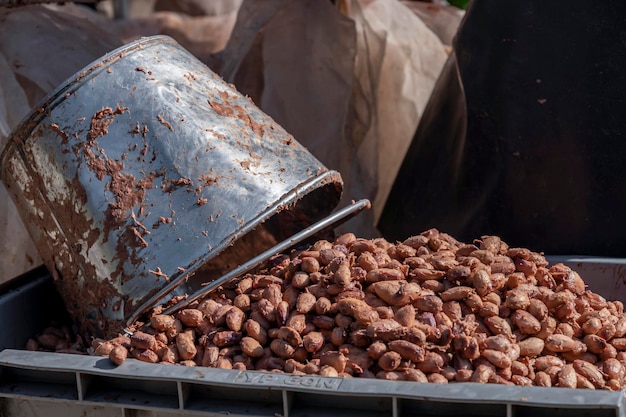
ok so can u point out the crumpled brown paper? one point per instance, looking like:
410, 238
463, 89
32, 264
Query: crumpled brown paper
398, 61
350, 87
201, 27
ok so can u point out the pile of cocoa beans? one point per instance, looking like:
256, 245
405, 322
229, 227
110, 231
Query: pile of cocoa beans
429, 309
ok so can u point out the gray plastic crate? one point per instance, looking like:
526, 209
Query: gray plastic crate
51, 384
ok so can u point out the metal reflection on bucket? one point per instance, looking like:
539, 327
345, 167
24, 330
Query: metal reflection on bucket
139, 171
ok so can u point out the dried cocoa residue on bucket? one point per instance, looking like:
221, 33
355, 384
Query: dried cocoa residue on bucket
221, 109
101, 120
162, 220
127, 190
254, 161
55, 127
165, 123
229, 109
170, 185
98, 127
208, 180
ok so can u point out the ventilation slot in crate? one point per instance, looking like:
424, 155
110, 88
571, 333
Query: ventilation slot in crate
37, 383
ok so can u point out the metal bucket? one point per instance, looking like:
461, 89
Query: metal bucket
136, 173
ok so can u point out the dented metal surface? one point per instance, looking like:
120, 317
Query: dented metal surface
142, 168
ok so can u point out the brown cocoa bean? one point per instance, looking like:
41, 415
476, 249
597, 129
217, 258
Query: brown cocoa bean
559, 343
162, 322
141, 340
567, 377
186, 346
335, 359
313, 341
251, 347
290, 335
595, 343
225, 338
525, 322
145, 355
118, 354
456, 293
234, 319
191, 317
531, 347
282, 349
407, 350
498, 325
390, 361
590, 372
305, 303
499, 359
542, 379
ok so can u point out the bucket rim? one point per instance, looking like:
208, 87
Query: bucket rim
35, 115
292, 197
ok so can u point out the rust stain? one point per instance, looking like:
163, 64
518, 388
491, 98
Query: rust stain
182, 181
142, 208
217, 134
81, 75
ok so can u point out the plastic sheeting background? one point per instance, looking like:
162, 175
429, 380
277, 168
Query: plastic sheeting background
525, 137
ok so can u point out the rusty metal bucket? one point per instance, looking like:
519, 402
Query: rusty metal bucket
146, 173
